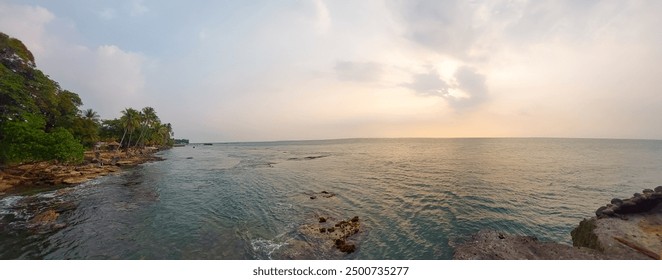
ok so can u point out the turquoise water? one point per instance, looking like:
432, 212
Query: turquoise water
415, 198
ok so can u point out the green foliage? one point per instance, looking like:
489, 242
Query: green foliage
26, 141
86, 131
111, 130
16, 46
61, 145
23, 140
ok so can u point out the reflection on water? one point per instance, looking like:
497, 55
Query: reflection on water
416, 198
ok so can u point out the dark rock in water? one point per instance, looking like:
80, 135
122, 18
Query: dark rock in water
658, 189
599, 213
637, 206
636, 195
65, 206
189, 158
608, 212
46, 217
616, 201
344, 246
648, 191
324, 194
328, 195
327, 240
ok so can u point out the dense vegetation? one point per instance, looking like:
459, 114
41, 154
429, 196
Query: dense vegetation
41, 121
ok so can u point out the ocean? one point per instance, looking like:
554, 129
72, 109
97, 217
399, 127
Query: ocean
414, 198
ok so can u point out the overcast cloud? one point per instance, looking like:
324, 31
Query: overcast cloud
264, 70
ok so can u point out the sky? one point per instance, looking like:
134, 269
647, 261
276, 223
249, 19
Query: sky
296, 70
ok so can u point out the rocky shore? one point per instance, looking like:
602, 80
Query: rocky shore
52, 174
625, 229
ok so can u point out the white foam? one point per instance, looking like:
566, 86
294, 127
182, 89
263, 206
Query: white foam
267, 247
8, 202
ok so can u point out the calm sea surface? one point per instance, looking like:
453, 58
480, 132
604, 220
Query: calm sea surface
416, 198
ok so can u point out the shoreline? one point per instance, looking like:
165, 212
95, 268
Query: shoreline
52, 175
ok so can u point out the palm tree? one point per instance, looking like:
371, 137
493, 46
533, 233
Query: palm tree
91, 115
162, 131
89, 127
165, 131
148, 121
130, 120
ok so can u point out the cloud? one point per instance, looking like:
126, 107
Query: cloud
26, 23
466, 89
358, 71
137, 8
323, 18
428, 84
106, 77
473, 85
448, 27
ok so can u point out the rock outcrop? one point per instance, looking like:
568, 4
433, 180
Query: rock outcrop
623, 229
45, 174
338, 233
494, 245
629, 228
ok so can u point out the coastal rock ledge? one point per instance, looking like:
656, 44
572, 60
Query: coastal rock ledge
627, 229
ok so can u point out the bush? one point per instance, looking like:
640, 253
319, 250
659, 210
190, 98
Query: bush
26, 141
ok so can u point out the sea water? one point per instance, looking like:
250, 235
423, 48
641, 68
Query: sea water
416, 198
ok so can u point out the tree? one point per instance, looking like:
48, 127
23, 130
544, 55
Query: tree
91, 115
148, 121
111, 130
86, 128
31, 143
130, 121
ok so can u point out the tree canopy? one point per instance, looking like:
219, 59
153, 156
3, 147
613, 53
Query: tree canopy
41, 121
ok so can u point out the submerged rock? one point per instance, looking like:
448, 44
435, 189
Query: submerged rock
324, 194
45, 217
324, 239
344, 246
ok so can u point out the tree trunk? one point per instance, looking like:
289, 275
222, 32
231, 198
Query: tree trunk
122, 138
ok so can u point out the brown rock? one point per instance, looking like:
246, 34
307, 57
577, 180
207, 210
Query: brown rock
345, 247
45, 217
493, 245
75, 180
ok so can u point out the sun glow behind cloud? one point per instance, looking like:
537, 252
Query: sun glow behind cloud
237, 71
